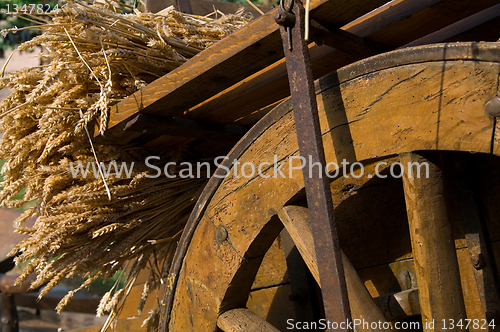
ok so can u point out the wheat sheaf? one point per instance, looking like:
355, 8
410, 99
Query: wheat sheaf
95, 56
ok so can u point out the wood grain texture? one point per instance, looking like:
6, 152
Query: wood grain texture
428, 20
389, 278
437, 270
408, 14
243, 320
374, 104
458, 27
399, 305
130, 308
123, 325
472, 300
209, 72
296, 221
273, 305
273, 269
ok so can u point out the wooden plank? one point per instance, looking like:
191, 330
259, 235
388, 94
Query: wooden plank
342, 40
399, 305
123, 325
273, 304
472, 299
463, 191
204, 7
273, 270
243, 320
225, 63
82, 304
159, 125
389, 278
429, 20
271, 83
132, 302
458, 27
8, 310
296, 221
386, 14
438, 275
303, 288
208, 72
257, 99
8, 283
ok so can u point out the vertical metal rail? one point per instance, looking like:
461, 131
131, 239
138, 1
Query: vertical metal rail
317, 186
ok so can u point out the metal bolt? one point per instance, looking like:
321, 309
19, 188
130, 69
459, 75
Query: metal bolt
478, 261
492, 108
220, 234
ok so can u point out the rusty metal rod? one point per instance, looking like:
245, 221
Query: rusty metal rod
319, 198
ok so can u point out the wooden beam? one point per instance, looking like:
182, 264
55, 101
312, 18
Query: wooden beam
389, 13
8, 283
399, 305
270, 84
345, 41
296, 221
433, 246
461, 180
122, 325
206, 7
210, 71
79, 303
458, 27
158, 125
8, 311
302, 289
243, 320
223, 65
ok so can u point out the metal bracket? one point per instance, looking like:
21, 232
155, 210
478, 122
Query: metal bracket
319, 197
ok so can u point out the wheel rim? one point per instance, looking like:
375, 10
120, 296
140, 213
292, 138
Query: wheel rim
239, 250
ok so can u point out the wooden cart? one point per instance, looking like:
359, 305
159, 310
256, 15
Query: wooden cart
415, 250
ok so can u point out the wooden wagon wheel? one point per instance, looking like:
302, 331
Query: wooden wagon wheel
426, 98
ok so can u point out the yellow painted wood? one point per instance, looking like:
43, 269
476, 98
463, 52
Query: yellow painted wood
423, 106
273, 270
438, 276
273, 305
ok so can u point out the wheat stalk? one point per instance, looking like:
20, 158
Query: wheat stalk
87, 222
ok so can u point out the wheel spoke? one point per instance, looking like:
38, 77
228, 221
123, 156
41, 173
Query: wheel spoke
433, 246
296, 221
243, 320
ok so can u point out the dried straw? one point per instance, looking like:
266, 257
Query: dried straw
97, 57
